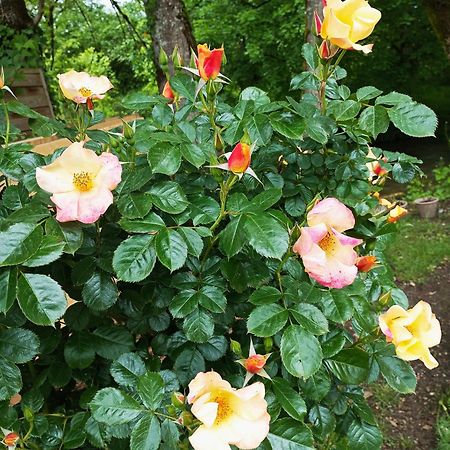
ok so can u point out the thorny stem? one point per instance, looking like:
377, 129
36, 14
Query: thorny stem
8, 123
327, 72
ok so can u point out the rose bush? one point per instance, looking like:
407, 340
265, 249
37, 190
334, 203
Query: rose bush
211, 258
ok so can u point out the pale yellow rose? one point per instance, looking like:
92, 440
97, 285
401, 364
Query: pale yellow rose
412, 331
229, 416
80, 86
347, 22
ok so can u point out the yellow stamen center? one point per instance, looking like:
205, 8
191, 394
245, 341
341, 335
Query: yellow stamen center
225, 410
328, 243
83, 181
85, 92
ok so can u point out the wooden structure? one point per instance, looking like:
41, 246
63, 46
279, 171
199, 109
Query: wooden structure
30, 88
47, 145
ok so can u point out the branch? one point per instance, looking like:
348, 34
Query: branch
128, 21
39, 14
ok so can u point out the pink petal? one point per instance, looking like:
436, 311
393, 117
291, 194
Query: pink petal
93, 204
66, 206
111, 171
332, 213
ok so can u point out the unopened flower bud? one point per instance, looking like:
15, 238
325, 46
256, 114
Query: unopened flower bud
385, 298
366, 263
11, 439
128, 131
236, 347
178, 400
268, 344
163, 60
167, 92
255, 363
185, 418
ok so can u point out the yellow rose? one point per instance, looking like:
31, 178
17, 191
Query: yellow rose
347, 22
412, 332
228, 416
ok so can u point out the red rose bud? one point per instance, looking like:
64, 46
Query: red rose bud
255, 363
240, 158
90, 105
366, 263
324, 50
318, 23
11, 439
167, 91
208, 62
324, 3
378, 170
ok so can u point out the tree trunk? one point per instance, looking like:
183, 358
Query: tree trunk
14, 14
439, 14
170, 27
310, 7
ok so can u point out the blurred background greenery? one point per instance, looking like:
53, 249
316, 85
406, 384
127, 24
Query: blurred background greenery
262, 39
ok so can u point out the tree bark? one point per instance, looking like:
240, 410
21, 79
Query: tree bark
439, 15
170, 27
14, 14
310, 7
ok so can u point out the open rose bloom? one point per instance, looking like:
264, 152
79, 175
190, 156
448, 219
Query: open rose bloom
81, 87
347, 22
327, 254
81, 183
412, 332
229, 416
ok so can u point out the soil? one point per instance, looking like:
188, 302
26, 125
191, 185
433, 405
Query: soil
413, 419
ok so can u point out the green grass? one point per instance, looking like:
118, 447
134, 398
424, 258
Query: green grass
443, 423
419, 248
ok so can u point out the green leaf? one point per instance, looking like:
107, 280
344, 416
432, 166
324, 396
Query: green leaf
344, 109
309, 52
310, 318
8, 288
99, 292
41, 299
188, 364
259, 129
10, 379
183, 85
168, 197
288, 125
265, 296
138, 101
212, 298
165, 158
194, 153
146, 435
315, 130
300, 352
232, 238
171, 249
367, 93
350, 365
288, 434
337, 306
134, 205
150, 388
214, 349
322, 419
193, 241
50, 250
267, 320
198, 326
79, 352
183, 303
71, 233
362, 436
75, 435
112, 341
414, 119
135, 258
398, 373
264, 200
374, 120
19, 242
127, 369
18, 345
266, 235
392, 99
149, 224
113, 407
289, 399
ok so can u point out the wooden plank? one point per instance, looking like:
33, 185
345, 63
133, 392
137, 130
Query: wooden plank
27, 78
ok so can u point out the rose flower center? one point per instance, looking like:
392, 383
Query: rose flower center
85, 92
328, 243
83, 181
225, 409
